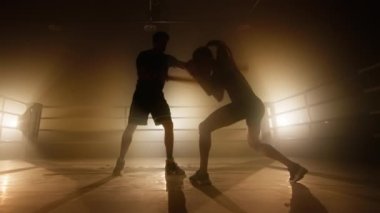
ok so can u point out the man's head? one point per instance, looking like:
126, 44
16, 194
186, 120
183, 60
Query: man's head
160, 40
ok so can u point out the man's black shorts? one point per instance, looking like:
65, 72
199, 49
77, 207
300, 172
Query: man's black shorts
145, 103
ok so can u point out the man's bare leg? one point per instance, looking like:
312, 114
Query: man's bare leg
169, 139
171, 167
125, 143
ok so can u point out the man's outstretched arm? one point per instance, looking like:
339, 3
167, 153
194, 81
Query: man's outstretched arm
173, 62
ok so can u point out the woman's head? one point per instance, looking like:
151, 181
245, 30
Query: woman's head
203, 57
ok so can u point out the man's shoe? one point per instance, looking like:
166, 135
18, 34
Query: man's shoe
171, 168
118, 170
200, 179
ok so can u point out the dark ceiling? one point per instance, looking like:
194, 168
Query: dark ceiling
194, 10
354, 23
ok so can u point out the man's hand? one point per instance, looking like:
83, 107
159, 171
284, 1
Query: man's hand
181, 79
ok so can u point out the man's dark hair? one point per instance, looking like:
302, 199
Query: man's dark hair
160, 36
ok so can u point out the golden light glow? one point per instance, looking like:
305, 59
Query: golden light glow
291, 118
10, 121
14, 107
289, 104
4, 183
269, 111
11, 135
270, 123
283, 120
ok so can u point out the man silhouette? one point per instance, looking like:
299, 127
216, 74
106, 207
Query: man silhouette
222, 75
152, 70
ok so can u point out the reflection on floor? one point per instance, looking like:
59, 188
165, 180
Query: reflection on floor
239, 185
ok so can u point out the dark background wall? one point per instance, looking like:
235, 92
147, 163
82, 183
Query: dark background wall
75, 54
83, 52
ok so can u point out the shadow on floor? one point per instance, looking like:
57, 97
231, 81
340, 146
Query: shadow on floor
363, 181
304, 201
251, 166
218, 196
77, 171
176, 196
73, 195
17, 170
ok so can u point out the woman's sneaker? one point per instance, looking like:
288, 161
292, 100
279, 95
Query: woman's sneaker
118, 170
200, 179
297, 172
